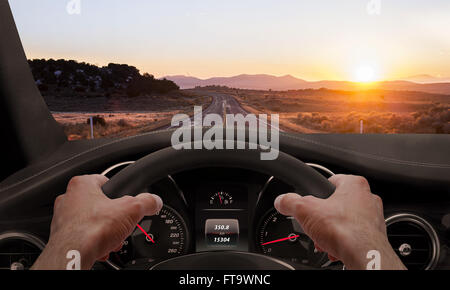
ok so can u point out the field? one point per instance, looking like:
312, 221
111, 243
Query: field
302, 111
125, 102
120, 116
327, 111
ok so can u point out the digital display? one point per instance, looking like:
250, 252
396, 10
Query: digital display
221, 217
222, 232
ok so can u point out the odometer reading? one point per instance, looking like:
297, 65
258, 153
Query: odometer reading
222, 233
156, 238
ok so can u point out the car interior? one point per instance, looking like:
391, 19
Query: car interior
218, 204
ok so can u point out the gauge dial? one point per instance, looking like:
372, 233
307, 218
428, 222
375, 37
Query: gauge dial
158, 237
221, 199
283, 237
19, 251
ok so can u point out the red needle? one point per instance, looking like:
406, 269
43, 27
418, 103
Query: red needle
148, 236
220, 198
281, 240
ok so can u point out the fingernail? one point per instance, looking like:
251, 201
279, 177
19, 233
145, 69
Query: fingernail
277, 201
159, 202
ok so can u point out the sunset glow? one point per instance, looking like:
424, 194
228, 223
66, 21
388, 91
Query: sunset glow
312, 40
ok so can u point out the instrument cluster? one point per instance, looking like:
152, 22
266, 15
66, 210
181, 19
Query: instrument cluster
216, 209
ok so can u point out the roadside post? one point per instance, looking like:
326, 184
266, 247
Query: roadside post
91, 122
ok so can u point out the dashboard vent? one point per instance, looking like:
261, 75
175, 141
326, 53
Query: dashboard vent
414, 240
19, 251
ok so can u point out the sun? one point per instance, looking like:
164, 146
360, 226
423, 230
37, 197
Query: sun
365, 74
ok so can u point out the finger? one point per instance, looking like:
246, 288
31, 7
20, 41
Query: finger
118, 248
337, 179
88, 184
331, 258
286, 204
151, 204
98, 179
104, 258
144, 204
378, 202
297, 206
349, 184
318, 248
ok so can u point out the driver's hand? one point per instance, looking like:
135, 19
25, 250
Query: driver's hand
87, 221
347, 225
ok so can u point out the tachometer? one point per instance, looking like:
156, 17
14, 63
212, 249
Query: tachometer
156, 238
283, 237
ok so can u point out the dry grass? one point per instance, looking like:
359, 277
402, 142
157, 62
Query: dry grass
378, 122
144, 117
306, 111
322, 111
76, 127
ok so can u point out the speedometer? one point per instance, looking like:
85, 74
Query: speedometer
156, 238
282, 237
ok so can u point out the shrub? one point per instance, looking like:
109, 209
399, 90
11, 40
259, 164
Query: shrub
97, 120
123, 123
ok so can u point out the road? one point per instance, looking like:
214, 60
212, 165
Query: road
221, 104
233, 107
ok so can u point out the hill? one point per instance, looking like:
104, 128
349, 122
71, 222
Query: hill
426, 79
268, 82
72, 78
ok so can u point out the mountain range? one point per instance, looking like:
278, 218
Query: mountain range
288, 82
424, 78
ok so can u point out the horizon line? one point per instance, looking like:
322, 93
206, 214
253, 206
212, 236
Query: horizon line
445, 79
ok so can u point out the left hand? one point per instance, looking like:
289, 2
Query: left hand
86, 220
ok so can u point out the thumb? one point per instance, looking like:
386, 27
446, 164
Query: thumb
137, 207
295, 205
151, 204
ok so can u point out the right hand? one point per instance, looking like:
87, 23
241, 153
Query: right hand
347, 225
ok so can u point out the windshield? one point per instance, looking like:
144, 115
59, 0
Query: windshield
119, 68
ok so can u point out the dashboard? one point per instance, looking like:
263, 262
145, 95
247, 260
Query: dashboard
220, 209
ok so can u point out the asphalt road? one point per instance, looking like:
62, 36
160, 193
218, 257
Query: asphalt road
221, 104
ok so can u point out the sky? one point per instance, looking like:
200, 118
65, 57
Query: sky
314, 40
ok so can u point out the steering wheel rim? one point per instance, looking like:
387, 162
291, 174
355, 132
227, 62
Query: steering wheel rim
158, 165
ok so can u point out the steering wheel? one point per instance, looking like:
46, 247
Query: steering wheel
157, 165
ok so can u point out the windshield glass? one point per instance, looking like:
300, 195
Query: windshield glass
109, 68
